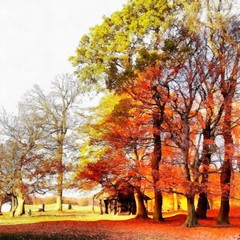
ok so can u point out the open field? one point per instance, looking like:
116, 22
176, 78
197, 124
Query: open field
72, 224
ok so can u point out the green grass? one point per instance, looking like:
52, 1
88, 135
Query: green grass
77, 213
52, 207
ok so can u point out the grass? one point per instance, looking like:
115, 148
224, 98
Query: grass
77, 213
81, 223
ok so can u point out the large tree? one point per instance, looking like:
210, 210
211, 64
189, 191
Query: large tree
120, 141
128, 40
223, 32
210, 124
57, 106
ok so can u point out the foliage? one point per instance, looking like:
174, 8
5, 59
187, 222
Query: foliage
36, 142
170, 74
179, 64
118, 142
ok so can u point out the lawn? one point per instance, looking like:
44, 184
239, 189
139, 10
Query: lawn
80, 223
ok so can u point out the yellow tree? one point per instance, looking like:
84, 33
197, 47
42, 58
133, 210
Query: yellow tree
131, 39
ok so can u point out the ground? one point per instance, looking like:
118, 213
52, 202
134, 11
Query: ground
75, 225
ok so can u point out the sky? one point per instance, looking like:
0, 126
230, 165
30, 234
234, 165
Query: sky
38, 36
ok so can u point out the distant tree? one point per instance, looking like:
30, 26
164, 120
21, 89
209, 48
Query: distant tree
23, 158
58, 108
6, 169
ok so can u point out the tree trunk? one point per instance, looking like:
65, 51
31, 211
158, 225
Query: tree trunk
157, 215
206, 158
225, 178
115, 207
191, 220
20, 210
223, 218
141, 209
223, 215
157, 156
13, 206
106, 204
101, 206
60, 174
202, 206
18, 204
59, 200
1, 203
228, 90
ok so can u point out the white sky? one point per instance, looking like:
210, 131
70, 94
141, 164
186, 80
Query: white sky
38, 36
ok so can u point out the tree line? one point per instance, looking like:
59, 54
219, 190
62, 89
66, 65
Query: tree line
38, 144
171, 116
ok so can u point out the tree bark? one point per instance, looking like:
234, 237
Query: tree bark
18, 203
13, 206
60, 174
202, 206
206, 158
157, 156
157, 215
225, 178
223, 215
228, 90
1, 203
191, 220
106, 204
59, 200
101, 207
141, 209
20, 210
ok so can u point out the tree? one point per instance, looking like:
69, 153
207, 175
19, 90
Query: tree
130, 35
170, 38
57, 107
23, 156
224, 43
211, 116
120, 141
6, 173
150, 88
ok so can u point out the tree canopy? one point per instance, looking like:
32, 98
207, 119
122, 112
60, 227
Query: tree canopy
180, 59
